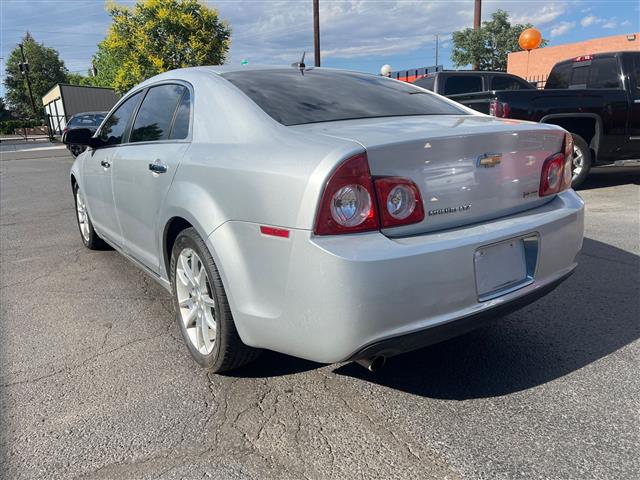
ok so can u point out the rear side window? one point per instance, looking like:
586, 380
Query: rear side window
115, 126
560, 76
155, 116
604, 73
462, 84
426, 82
292, 97
180, 129
501, 82
579, 76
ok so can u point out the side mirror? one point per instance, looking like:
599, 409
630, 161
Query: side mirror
81, 136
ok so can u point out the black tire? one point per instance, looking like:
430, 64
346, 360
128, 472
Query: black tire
93, 241
228, 350
76, 149
579, 145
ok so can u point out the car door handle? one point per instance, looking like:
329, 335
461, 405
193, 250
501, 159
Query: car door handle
158, 167
105, 164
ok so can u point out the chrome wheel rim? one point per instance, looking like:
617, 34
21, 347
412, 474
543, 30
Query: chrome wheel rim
578, 162
196, 301
83, 217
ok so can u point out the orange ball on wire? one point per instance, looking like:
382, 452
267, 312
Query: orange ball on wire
530, 39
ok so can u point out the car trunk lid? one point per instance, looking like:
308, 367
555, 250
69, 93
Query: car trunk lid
468, 168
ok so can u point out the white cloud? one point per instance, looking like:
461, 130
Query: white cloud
589, 20
561, 28
611, 23
278, 31
534, 14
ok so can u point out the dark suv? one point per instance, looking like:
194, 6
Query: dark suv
452, 83
90, 120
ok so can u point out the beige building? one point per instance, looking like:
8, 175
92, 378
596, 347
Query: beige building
64, 101
537, 64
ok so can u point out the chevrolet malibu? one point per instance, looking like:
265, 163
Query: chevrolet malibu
330, 215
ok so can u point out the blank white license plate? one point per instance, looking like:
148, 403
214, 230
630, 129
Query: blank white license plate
500, 266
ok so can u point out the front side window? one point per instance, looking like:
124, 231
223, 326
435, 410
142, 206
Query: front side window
115, 126
462, 84
155, 116
292, 97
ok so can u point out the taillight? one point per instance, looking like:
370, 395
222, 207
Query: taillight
568, 160
399, 201
499, 109
347, 204
556, 170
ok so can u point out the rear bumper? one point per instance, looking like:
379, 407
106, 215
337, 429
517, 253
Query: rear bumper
459, 326
333, 298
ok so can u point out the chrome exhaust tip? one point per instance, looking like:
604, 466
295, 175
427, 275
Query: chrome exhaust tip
372, 364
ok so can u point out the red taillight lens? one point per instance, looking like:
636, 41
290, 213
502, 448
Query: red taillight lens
399, 201
557, 169
347, 204
499, 109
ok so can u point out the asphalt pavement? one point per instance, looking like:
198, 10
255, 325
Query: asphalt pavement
95, 381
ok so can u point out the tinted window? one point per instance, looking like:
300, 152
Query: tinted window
291, 97
559, 77
116, 125
81, 121
180, 129
509, 83
604, 73
462, 84
426, 82
98, 119
579, 77
154, 118
635, 73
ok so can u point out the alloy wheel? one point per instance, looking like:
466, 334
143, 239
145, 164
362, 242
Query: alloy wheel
196, 301
578, 162
83, 217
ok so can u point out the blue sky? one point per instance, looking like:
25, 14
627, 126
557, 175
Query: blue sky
356, 34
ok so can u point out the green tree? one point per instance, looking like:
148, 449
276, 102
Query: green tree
488, 46
77, 79
45, 70
159, 35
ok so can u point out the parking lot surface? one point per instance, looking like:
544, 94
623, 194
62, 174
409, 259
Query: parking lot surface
95, 381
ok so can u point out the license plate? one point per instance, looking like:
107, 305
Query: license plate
499, 267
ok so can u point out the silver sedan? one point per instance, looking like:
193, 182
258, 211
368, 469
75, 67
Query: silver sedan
325, 214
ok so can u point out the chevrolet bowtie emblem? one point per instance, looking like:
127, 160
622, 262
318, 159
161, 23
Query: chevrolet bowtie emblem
489, 160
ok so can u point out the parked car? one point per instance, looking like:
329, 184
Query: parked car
89, 120
595, 97
458, 82
325, 214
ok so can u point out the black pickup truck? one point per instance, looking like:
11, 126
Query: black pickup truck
595, 97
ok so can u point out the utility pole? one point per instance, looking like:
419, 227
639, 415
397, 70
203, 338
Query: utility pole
24, 69
477, 14
316, 33
436, 52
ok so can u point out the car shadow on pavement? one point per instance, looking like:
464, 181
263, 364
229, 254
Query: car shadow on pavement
594, 313
611, 177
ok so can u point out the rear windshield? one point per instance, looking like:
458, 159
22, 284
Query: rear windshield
293, 97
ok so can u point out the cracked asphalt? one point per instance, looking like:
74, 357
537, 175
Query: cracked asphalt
95, 381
